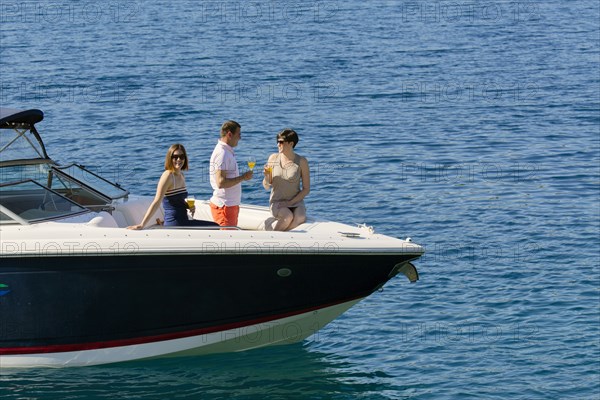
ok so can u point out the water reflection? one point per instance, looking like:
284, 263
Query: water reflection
287, 372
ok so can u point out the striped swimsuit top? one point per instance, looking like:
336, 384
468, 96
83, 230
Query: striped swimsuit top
176, 191
174, 205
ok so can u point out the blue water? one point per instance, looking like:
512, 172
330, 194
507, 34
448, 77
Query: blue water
472, 127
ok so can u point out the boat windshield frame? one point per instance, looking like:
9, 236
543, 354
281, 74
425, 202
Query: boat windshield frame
24, 134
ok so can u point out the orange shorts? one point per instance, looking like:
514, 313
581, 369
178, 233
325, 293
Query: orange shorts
226, 215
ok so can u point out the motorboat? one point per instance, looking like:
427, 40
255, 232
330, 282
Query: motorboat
77, 288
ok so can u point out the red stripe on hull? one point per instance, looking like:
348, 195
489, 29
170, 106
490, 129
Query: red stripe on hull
151, 339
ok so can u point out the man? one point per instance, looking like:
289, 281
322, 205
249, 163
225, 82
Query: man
225, 177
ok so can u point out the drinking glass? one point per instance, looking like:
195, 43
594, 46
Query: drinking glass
251, 163
191, 201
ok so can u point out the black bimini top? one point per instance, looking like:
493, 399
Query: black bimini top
15, 127
10, 117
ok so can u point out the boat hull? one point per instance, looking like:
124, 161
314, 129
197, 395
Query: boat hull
274, 332
81, 310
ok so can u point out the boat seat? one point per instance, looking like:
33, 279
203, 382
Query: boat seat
103, 220
132, 212
203, 211
248, 219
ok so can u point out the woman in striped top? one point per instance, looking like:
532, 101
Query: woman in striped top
172, 192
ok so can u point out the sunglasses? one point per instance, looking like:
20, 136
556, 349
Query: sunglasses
280, 141
178, 156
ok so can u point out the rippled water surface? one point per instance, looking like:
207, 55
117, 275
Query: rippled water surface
471, 127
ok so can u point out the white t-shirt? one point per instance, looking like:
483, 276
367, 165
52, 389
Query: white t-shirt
223, 158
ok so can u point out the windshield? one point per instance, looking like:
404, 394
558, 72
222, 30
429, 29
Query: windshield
28, 201
73, 182
91, 180
23, 158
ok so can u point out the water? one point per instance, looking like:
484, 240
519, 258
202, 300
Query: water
471, 127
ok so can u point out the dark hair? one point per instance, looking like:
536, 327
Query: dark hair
169, 157
229, 126
288, 135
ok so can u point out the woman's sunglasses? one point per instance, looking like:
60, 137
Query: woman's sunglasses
179, 156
